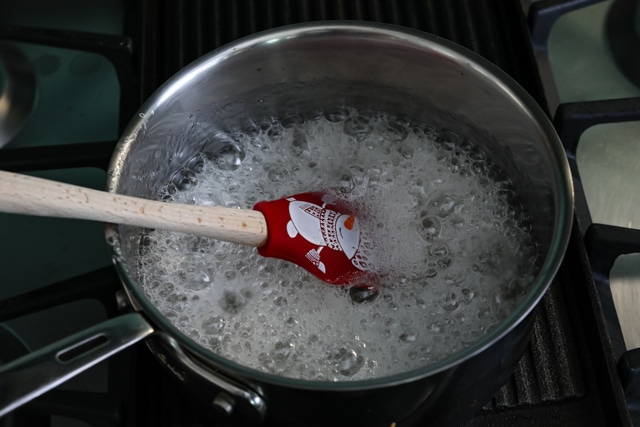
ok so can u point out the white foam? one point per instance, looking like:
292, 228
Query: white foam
453, 257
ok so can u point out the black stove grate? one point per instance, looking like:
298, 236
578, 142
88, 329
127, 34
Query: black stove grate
554, 383
566, 377
170, 34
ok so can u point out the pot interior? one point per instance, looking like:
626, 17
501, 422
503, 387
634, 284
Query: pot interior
215, 109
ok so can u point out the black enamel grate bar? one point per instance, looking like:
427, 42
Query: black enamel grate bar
101, 284
563, 378
83, 154
550, 369
550, 379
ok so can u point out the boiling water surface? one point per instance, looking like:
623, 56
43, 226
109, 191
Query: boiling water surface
453, 251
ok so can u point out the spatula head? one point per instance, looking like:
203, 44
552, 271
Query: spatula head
319, 233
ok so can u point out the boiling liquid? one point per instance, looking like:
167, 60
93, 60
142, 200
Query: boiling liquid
453, 251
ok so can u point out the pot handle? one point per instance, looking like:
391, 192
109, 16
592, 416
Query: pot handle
229, 396
28, 377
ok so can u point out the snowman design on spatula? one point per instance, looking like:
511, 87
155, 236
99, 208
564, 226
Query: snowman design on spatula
329, 236
324, 227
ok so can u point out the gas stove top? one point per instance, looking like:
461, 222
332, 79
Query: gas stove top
93, 73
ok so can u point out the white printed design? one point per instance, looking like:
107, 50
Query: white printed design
323, 227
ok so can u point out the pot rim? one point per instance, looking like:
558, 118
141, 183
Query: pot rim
562, 178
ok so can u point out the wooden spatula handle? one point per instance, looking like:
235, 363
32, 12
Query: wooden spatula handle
23, 194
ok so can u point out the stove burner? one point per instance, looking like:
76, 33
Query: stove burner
566, 378
17, 91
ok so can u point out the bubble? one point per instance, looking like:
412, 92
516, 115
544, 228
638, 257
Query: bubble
214, 325
184, 179
439, 250
198, 280
374, 176
449, 301
358, 128
477, 168
478, 156
265, 124
459, 317
447, 140
292, 121
276, 132
147, 245
466, 146
280, 301
435, 327
291, 322
456, 278
225, 152
276, 360
196, 164
394, 131
409, 335
313, 115
359, 175
406, 151
429, 228
467, 295
346, 361
178, 300
299, 144
252, 130
425, 132
488, 262
345, 183
336, 114
277, 172
165, 289
454, 165
457, 221
430, 272
232, 302
444, 205
361, 294
282, 349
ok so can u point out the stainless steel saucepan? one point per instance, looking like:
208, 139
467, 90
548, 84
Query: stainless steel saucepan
305, 68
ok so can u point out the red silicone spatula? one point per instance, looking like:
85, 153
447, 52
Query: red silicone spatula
311, 230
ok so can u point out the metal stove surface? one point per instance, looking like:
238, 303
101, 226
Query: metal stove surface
566, 378
580, 66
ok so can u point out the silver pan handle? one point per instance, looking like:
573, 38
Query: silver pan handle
28, 377
227, 395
